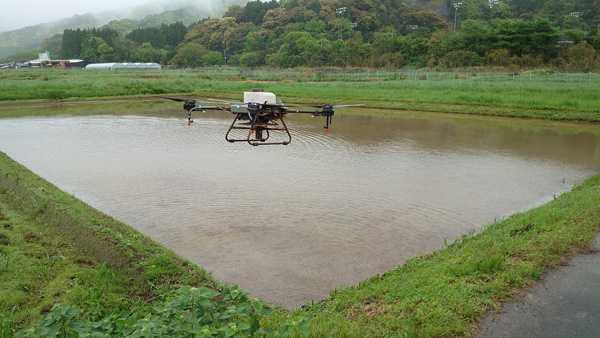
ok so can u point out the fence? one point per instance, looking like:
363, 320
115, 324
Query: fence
399, 74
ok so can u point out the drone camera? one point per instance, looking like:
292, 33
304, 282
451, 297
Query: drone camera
327, 110
189, 105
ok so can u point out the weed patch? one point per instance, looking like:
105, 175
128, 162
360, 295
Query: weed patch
4, 240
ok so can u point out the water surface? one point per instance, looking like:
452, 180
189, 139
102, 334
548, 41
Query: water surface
290, 223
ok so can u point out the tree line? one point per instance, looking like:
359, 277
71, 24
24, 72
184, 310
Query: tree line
155, 44
363, 33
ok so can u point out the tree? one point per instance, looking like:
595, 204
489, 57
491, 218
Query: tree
190, 55
581, 58
289, 52
235, 11
213, 59
460, 58
250, 59
386, 41
498, 57
554, 10
234, 37
425, 19
526, 37
341, 54
147, 53
124, 50
539, 38
217, 40
316, 27
276, 19
90, 48
107, 53
261, 40
473, 10
475, 36
292, 33
255, 11
71, 43
594, 40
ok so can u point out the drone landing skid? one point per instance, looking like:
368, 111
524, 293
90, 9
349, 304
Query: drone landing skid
256, 129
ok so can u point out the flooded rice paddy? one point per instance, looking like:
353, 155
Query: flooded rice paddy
290, 223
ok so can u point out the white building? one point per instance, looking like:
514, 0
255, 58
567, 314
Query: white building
44, 61
123, 66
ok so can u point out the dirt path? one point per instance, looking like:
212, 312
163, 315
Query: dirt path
565, 304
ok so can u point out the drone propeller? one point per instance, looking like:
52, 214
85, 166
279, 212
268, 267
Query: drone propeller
192, 101
177, 99
333, 107
228, 102
346, 105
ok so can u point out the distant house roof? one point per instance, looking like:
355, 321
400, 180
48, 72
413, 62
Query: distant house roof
123, 66
45, 57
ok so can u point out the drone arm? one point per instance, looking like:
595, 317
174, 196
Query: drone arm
190, 106
327, 111
312, 112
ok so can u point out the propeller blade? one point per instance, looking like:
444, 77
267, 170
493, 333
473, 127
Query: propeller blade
178, 99
346, 105
309, 105
210, 108
323, 105
228, 102
303, 111
171, 98
209, 102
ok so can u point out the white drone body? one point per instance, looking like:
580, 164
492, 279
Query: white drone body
260, 97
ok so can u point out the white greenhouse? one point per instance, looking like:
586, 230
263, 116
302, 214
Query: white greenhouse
123, 66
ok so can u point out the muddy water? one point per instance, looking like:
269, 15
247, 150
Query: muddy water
290, 223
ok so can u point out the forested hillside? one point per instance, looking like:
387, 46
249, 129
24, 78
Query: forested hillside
124, 20
368, 33
30, 37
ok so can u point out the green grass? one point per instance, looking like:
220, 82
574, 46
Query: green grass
543, 100
56, 248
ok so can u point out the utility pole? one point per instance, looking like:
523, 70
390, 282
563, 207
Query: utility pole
340, 11
352, 25
576, 16
456, 7
492, 3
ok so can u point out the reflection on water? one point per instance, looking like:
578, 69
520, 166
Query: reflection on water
290, 223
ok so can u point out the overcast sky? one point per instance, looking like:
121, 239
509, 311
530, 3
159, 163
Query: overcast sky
18, 14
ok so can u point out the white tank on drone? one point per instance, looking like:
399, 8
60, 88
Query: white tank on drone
259, 96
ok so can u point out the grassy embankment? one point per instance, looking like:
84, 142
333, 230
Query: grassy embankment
57, 249
75, 271
544, 100
445, 293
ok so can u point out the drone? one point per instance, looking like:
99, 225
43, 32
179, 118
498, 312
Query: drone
261, 114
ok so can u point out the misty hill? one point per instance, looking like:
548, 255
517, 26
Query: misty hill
124, 20
30, 37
